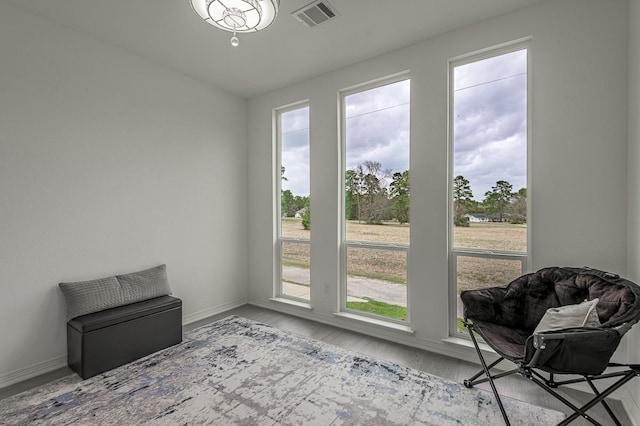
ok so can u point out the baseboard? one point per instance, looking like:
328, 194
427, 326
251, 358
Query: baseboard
627, 395
631, 406
214, 310
442, 347
448, 347
25, 373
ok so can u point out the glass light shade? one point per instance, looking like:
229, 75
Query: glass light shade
241, 16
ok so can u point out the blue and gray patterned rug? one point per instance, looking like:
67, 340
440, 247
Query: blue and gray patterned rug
239, 372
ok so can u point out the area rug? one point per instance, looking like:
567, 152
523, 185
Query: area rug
239, 372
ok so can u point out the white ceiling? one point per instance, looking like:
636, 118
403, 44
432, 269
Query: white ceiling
169, 32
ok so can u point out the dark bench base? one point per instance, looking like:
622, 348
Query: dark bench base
107, 339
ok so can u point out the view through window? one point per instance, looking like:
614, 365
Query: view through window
489, 180
294, 209
376, 218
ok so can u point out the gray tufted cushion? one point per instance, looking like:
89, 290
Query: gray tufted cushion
85, 297
145, 284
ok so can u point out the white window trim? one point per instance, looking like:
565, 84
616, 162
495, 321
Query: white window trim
277, 291
525, 258
344, 243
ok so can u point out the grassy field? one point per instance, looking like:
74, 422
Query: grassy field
390, 232
473, 272
492, 236
381, 264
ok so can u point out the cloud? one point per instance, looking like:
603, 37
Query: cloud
490, 122
490, 69
294, 120
490, 127
381, 136
377, 126
295, 150
377, 99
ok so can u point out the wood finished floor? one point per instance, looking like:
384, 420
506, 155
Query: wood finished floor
439, 365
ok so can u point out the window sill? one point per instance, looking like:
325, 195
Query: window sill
291, 302
466, 343
376, 322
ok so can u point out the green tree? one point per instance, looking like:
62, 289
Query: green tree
399, 191
306, 217
351, 195
462, 200
373, 186
519, 206
287, 207
498, 199
299, 202
286, 197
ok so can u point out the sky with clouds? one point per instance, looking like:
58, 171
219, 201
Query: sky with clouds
490, 128
377, 127
294, 150
490, 122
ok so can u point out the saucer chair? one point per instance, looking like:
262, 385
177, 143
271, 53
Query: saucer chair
556, 321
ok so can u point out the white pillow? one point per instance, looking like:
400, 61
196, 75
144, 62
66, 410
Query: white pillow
580, 315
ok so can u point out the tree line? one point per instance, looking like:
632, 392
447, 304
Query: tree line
290, 204
500, 203
373, 194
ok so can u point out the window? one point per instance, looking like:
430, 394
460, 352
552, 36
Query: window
375, 214
292, 175
488, 198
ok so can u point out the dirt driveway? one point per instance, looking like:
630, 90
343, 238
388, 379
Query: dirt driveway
357, 287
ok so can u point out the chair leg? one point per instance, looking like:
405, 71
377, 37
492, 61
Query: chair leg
577, 411
597, 399
603, 402
470, 382
601, 396
488, 374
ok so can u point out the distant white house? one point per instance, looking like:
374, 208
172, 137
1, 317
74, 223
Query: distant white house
477, 218
301, 212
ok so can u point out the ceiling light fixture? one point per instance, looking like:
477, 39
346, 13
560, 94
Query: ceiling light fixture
237, 16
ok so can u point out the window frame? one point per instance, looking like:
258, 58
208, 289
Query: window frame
344, 243
453, 252
278, 291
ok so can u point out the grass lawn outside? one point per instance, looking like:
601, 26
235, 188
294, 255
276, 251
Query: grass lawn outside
391, 266
473, 272
380, 308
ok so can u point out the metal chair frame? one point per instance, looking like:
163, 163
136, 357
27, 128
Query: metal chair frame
529, 371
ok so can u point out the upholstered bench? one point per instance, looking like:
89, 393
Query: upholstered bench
116, 320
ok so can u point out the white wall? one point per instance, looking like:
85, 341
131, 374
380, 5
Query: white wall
109, 164
633, 253
579, 148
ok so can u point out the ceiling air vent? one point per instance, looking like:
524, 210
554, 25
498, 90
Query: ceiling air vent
315, 13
